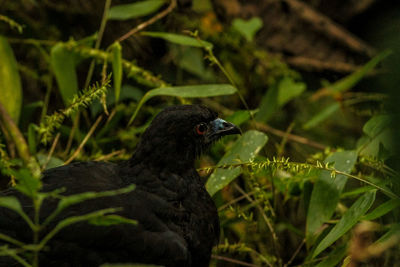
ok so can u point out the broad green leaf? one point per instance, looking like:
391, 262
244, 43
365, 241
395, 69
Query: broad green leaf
13, 203
179, 39
10, 81
244, 150
386, 207
379, 141
112, 219
349, 219
117, 68
351, 80
376, 125
278, 96
26, 183
321, 116
191, 91
63, 64
289, 89
248, 28
268, 105
326, 192
51, 163
134, 10
240, 117
334, 257
67, 201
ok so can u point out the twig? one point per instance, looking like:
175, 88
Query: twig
20, 142
108, 156
295, 253
292, 137
76, 153
265, 217
217, 257
53, 146
149, 22
98, 40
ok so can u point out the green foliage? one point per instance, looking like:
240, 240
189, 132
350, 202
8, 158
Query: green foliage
329, 165
10, 81
247, 28
134, 10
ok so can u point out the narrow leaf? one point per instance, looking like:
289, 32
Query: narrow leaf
67, 201
349, 219
10, 81
327, 190
117, 68
134, 10
112, 219
179, 39
351, 80
386, 207
321, 116
62, 61
13, 203
244, 150
193, 91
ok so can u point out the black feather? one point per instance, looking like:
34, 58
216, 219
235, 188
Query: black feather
177, 220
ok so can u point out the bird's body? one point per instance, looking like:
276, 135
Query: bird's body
177, 219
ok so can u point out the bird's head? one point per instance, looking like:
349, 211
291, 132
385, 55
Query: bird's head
181, 133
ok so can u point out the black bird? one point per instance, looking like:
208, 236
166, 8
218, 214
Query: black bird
177, 220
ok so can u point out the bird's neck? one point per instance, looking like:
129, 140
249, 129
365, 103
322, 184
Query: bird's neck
170, 156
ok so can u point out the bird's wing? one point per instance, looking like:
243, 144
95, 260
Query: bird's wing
153, 238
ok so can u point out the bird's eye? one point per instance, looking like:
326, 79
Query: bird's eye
201, 128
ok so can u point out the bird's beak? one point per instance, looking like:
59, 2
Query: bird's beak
219, 127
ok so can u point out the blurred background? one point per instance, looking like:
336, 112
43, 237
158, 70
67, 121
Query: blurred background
318, 79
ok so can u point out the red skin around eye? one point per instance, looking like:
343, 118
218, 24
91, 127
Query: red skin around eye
199, 132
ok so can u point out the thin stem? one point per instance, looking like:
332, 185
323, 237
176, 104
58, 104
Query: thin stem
92, 129
149, 22
98, 40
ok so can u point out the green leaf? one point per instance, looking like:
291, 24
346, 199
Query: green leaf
326, 193
67, 201
10, 81
191, 91
112, 219
349, 219
334, 257
179, 39
386, 207
63, 64
75, 219
321, 116
52, 163
26, 183
376, 125
289, 89
32, 138
394, 230
134, 10
244, 150
248, 28
240, 117
13, 203
117, 68
351, 80
278, 96
379, 142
